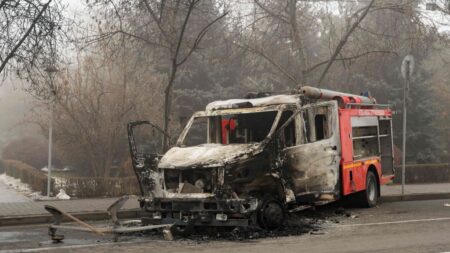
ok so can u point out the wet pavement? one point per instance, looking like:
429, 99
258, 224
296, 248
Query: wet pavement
10, 195
36, 208
413, 226
35, 237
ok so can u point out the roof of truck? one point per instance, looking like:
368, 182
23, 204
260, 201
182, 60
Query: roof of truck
254, 102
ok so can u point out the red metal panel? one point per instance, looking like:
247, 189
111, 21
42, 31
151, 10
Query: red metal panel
346, 137
353, 173
352, 177
368, 112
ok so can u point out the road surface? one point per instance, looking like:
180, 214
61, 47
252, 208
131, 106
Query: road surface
415, 226
8, 195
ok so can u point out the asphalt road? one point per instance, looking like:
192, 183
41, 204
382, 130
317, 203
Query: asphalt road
415, 226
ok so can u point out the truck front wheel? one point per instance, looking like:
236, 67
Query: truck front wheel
271, 214
369, 197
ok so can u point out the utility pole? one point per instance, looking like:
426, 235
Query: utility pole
406, 69
51, 71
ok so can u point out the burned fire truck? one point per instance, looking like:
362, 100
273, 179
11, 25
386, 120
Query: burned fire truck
250, 161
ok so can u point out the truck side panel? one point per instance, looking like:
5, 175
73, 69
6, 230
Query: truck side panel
354, 174
354, 169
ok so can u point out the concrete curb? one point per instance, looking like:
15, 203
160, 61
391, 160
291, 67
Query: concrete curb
415, 196
48, 218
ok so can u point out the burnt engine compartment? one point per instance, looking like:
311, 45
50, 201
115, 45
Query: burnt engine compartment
201, 180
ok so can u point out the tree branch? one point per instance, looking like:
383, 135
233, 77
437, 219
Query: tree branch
271, 13
349, 58
199, 38
183, 29
2, 3
270, 60
110, 34
24, 37
156, 19
344, 39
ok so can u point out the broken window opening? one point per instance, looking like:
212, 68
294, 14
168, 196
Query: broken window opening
315, 124
230, 129
365, 141
288, 136
306, 130
365, 135
320, 122
197, 132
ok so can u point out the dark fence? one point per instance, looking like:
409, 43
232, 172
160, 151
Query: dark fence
36, 179
87, 187
424, 173
80, 187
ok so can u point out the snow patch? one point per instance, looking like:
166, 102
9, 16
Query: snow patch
62, 195
17, 185
22, 188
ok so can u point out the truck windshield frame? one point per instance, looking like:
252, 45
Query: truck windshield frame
229, 120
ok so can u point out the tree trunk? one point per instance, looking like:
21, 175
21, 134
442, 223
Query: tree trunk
168, 104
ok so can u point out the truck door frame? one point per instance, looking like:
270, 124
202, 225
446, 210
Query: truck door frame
324, 154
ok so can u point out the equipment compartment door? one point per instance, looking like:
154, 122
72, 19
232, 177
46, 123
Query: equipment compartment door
313, 164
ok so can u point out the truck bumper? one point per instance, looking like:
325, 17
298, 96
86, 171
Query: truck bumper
198, 212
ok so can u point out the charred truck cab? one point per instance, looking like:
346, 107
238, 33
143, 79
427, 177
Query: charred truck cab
250, 161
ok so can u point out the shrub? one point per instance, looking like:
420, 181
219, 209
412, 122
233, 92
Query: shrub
87, 187
424, 173
36, 179
81, 187
30, 150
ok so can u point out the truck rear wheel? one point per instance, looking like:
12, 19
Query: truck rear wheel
369, 197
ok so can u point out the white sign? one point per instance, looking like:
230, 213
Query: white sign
409, 58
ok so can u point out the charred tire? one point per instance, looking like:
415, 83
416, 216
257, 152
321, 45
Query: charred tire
369, 197
271, 215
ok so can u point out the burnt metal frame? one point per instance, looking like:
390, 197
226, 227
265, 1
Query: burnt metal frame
118, 227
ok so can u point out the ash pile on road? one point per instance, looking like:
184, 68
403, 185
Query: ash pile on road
306, 222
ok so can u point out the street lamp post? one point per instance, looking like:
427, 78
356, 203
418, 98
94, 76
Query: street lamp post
51, 71
406, 69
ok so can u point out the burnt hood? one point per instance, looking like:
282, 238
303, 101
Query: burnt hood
205, 155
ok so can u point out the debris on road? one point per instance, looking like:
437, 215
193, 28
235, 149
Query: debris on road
62, 195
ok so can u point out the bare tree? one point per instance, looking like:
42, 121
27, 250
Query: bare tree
359, 16
302, 43
94, 100
176, 26
28, 27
